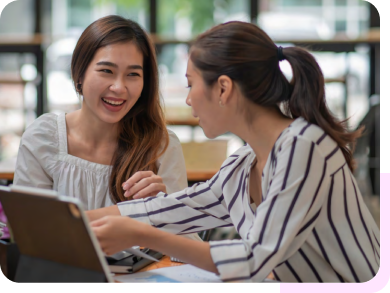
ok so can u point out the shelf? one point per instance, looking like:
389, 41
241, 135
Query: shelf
12, 81
372, 36
190, 121
21, 40
332, 80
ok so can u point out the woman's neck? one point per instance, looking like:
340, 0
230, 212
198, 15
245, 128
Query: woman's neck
91, 129
263, 131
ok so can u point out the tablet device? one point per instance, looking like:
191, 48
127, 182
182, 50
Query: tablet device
54, 238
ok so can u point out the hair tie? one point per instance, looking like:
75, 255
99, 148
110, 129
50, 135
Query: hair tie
279, 54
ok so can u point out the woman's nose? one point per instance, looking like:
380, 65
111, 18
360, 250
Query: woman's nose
188, 101
118, 86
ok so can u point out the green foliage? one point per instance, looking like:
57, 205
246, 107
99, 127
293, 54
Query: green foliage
123, 3
201, 12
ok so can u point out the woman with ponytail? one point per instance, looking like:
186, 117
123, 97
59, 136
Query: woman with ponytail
289, 192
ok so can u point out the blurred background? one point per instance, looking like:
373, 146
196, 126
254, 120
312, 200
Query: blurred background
37, 38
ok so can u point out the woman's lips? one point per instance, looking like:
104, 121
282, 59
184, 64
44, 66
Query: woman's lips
113, 104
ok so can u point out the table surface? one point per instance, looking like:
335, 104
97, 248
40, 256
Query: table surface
165, 262
7, 169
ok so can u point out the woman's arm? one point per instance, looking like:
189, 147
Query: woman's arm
102, 212
289, 210
118, 233
194, 209
171, 175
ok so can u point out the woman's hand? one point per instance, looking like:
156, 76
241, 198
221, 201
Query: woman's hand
116, 233
143, 184
100, 213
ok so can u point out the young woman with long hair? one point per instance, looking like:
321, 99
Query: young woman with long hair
119, 132
289, 192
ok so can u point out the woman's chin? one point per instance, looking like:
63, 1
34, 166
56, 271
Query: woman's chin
111, 119
210, 134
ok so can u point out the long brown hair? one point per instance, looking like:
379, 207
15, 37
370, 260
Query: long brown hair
142, 136
246, 54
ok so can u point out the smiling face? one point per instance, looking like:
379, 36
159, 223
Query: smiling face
113, 81
204, 101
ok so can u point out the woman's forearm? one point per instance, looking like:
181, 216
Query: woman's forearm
100, 213
193, 252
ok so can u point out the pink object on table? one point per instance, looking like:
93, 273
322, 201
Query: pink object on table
4, 220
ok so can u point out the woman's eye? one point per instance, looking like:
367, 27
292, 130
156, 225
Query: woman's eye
106, 70
134, 74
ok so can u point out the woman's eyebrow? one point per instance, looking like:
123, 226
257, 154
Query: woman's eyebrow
108, 63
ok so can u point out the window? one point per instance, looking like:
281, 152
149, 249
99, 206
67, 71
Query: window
79, 13
301, 2
289, 21
24, 23
69, 19
17, 77
184, 19
324, 18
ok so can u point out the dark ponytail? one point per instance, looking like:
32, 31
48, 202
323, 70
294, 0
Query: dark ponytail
308, 100
249, 57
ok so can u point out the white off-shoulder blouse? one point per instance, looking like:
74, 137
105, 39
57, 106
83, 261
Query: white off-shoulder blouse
43, 161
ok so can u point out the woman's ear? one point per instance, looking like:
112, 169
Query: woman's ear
79, 86
225, 88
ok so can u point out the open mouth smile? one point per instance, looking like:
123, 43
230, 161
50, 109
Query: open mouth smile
113, 103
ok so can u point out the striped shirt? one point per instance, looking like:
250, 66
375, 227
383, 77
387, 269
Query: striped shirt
312, 224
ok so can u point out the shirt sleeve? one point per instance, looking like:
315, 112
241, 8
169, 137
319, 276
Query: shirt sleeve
290, 204
172, 170
37, 151
194, 209
171, 166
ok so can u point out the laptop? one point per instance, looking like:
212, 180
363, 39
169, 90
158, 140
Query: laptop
54, 238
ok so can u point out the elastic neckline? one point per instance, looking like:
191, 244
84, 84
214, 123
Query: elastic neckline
65, 156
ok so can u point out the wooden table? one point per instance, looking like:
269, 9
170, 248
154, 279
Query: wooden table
7, 169
186, 121
164, 262
200, 175
192, 176
203, 159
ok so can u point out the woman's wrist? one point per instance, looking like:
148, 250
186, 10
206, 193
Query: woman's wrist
146, 235
100, 213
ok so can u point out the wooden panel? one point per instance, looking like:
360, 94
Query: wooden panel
7, 176
200, 175
180, 116
184, 121
7, 169
22, 39
372, 36
164, 262
203, 159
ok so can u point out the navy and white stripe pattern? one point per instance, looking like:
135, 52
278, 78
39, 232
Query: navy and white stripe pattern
312, 225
